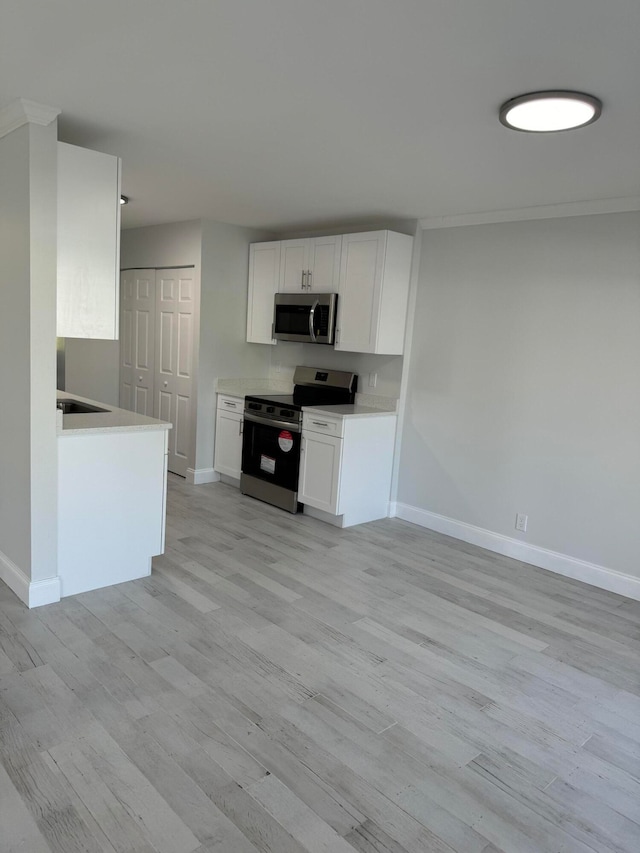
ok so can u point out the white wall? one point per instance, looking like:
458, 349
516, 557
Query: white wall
224, 352
176, 244
388, 368
523, 392
91, 369
28, 443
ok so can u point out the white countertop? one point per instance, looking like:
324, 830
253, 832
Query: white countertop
348, 410
113, 420
244, 387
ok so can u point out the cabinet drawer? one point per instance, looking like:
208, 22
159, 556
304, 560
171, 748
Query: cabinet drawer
230, 404
323, 424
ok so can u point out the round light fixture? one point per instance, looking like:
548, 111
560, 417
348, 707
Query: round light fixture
124, 199
548, 112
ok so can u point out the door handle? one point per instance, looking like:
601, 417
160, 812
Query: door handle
312, 312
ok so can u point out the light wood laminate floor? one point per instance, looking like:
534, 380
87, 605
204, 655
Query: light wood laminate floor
281, 685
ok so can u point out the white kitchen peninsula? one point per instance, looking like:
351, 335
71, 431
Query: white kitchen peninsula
112, 481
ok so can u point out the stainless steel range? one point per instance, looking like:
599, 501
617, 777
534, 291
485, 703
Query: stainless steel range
273, 428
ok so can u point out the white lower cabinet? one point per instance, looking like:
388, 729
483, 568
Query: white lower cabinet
346, 465
112, 491
228, 444
320, 471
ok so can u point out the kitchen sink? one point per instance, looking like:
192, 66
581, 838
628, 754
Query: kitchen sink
70, 406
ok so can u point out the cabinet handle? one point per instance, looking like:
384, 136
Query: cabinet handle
302, 275
337, 336
308, 279
226, 402
319, 423
165, 383
240, 424
139, 378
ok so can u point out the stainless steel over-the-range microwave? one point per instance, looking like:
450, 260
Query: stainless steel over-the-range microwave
305, 317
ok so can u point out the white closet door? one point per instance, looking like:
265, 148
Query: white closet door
175, 305
137, 340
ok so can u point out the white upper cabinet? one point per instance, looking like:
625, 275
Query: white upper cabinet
310, 264
88, 243
373, 292
264, 272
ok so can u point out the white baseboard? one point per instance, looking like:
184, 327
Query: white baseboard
198, 476
561, 564
44, 592
321, 515
33, 594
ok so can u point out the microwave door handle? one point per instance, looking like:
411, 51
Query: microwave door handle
312, 312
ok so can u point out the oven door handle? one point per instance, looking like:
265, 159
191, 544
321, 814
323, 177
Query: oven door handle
274, 422
312, 312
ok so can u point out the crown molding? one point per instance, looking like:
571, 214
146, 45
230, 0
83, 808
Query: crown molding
549, 211
22, 111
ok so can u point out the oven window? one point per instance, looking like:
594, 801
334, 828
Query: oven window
272, 454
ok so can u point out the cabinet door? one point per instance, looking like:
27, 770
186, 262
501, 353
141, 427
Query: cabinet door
264, 271
361, 269
320, 460
294, 265
228, 449
375, 270
324, 264
88, 243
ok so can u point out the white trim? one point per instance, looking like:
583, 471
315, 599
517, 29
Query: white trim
32, 594
401, 407
44, 592
198, 476
21, 111
562, 564
548, 211
393, 509
321, 515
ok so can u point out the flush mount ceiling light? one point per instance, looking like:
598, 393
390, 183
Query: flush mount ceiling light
124, 199
548, 112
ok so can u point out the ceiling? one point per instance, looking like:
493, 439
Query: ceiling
292, 114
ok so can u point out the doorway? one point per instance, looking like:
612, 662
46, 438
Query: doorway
158, 325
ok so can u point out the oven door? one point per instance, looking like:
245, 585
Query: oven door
271, 460
305, 317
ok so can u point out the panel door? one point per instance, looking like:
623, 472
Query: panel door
175, 318
320, 471
294, 264
324, 264
137, 341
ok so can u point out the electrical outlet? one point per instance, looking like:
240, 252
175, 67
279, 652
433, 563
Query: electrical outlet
521, 522
373, 380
